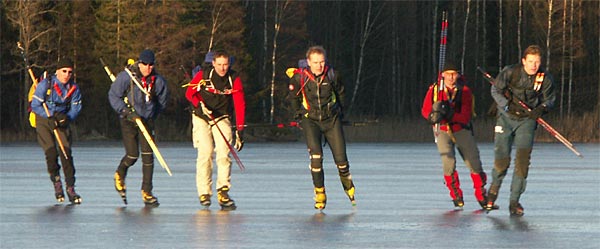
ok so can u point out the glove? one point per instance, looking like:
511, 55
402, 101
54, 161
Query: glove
537, 112
239, 140
439, 111
61, 120
52, 123
129, 114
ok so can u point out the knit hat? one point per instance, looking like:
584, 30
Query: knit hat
64, 62
147, 56
449, 66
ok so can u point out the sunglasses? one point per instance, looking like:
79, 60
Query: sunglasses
67, 71
147, 64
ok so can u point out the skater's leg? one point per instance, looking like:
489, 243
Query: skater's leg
203, 141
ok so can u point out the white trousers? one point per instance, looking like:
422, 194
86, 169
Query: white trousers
206, 139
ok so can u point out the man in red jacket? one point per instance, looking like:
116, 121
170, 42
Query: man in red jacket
216, 92
452, 111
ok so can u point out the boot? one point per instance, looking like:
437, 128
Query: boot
348, 186
120, 186
453, 184
516, 209
149, 199
320, 198
224, 200
59, 194
74, 198
491, 198
479, 181
204, 200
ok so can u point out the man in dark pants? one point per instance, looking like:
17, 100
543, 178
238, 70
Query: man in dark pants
452, 110
131, 102
316, 96
56, 102
516, 125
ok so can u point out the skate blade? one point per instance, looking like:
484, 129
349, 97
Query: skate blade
488, 208
228, 208
77, 201
156, 204
123, 195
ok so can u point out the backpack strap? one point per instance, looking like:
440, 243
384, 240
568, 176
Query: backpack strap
209, 87
537, 84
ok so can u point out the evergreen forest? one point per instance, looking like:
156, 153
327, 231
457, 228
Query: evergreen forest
386, 53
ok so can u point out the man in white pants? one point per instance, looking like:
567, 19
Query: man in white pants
216, 93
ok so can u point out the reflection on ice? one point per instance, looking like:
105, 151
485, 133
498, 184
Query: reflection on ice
402, 202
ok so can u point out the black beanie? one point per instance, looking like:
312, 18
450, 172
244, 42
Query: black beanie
64, 62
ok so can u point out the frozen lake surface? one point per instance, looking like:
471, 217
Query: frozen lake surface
401, 201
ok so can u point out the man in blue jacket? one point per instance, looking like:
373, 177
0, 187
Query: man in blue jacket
57, 102
143, 100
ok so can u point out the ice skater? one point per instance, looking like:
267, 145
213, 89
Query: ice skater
528, 83
316, 95
453, 112
133, 101
56, 103
216, 94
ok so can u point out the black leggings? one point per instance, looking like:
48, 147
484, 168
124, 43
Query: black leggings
332, 130
132, 139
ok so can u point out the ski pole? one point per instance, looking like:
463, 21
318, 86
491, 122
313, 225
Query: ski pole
56, 134
185, 73
34, 84
146, 134
137, 83
231, 149
110, 74
442, 58
539, 120
159, 156
29, 70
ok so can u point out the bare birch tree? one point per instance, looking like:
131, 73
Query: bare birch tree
572, 19
464, 46
265, 51
34, 35
548, 32
280, 11
366, 32
217, 9
562, 61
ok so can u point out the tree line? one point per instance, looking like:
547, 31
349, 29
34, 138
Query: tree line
386, 52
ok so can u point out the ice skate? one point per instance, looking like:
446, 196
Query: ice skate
226, 203
74, 198
204, 200
320, 198
491, 198
458, 203
149, 199
348, 186
516, 209
59, 194
120, 187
